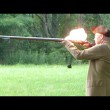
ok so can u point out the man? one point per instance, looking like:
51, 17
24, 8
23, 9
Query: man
98, 79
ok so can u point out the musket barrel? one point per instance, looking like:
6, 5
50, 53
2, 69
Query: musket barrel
87, 44
32, 38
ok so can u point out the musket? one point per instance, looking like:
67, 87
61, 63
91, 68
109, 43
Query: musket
83, 43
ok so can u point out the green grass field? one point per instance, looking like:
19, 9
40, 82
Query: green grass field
43, 80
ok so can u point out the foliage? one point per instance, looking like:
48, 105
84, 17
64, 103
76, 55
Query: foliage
17, 25
43, 25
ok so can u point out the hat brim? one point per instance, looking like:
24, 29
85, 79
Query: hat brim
93, 29
100, 29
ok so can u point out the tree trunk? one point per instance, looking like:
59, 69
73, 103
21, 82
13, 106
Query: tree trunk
80, 20
66, 28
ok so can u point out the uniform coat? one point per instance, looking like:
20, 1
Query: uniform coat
98, 79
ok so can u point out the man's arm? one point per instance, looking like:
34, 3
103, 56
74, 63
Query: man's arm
91, 53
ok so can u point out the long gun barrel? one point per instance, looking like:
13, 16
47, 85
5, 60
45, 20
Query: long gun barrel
32, 38
83, 43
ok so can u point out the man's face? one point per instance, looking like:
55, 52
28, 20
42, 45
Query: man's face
98, 38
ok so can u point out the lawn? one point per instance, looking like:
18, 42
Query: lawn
42, 80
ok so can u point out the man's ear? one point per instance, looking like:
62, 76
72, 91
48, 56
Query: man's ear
102, 36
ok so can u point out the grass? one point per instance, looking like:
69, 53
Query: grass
42, 80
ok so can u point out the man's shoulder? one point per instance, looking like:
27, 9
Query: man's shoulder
99, 47
102, 46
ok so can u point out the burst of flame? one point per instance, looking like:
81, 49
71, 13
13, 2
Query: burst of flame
77, 34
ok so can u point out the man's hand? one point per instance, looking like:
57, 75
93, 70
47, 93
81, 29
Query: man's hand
79, 44
84, 44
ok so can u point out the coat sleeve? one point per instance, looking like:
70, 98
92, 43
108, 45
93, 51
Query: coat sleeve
91, 53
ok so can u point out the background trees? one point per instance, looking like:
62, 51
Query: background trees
42, 25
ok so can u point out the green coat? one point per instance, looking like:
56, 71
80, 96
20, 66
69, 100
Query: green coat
98, 79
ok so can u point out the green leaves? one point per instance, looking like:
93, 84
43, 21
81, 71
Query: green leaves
44, 25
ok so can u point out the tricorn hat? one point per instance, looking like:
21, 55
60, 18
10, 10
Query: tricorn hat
101, 29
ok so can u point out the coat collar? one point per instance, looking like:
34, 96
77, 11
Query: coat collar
106, 40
